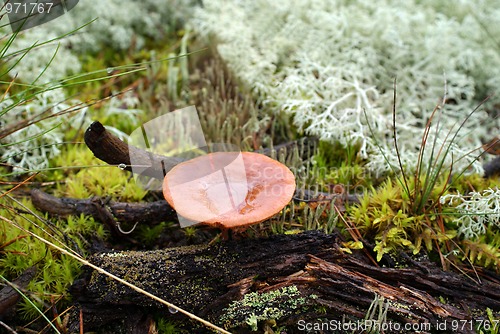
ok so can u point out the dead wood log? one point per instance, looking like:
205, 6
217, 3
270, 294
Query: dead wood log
205, 280
104, 210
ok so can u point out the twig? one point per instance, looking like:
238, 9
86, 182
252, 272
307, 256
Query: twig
105, 211
112, 150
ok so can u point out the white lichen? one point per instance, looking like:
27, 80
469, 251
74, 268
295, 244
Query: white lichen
31, 147
118, 25
328, 62
477, 211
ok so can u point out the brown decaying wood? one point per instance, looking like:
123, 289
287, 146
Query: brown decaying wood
205, 280
104, 210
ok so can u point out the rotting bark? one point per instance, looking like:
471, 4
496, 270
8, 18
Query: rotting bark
206, 279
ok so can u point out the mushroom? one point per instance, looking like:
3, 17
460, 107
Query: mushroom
229, 189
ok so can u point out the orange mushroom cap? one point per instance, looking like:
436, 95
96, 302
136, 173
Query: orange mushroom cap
229, 189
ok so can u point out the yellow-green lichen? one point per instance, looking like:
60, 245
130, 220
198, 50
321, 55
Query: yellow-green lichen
272, 305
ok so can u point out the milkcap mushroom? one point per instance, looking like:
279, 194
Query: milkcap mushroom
229, 189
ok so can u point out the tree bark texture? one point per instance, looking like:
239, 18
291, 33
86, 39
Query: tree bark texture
332, 285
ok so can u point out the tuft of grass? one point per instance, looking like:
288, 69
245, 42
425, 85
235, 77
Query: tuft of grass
406, 211
384, 215
376, 314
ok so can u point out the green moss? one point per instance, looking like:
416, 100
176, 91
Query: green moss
56, 271
474, 182
164, 326
149, 235
335, 164
190, 231
89, 180
384, 215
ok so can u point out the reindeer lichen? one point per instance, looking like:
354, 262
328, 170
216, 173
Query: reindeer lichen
327, 62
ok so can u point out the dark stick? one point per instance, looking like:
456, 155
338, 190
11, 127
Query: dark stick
104, 211
492, 168
112, 150
9, 296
